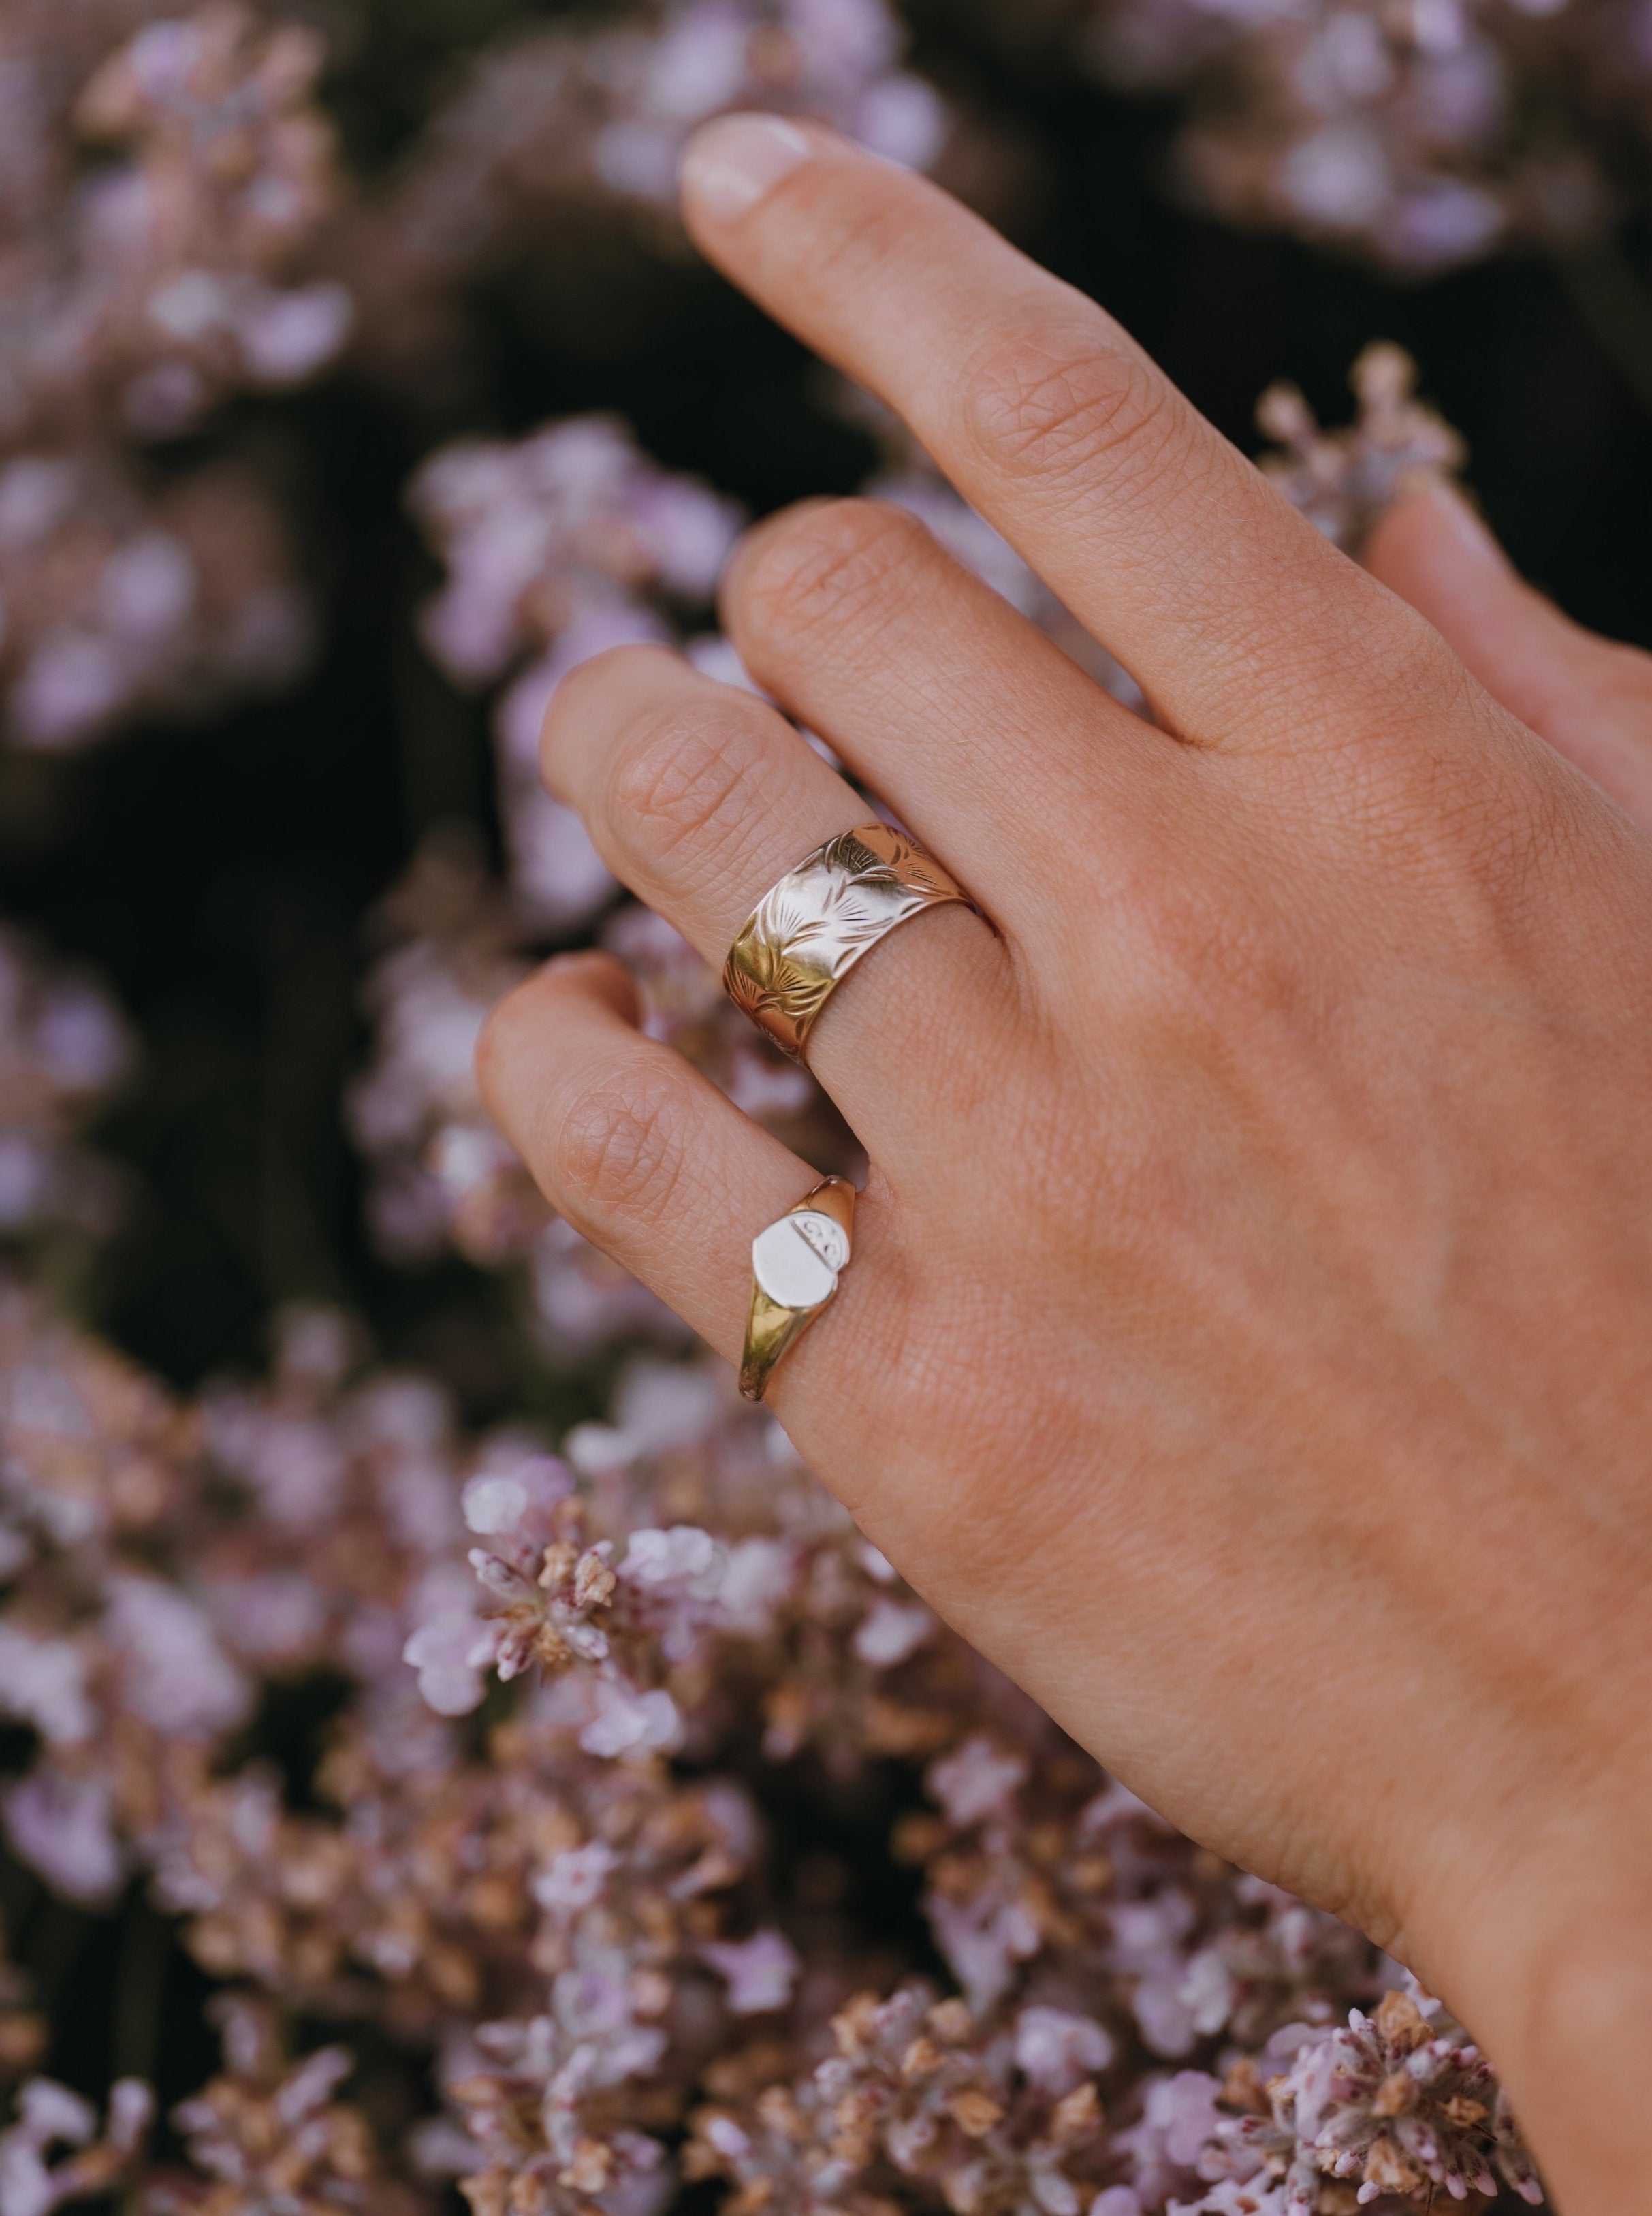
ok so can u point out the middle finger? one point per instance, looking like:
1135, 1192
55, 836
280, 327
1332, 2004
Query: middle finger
1237, 617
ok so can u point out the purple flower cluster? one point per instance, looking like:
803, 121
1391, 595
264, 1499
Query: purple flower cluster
573, 1913
64, 1049
557, 547
177, 230
164, 179
120, 600
553, 126
1425, 135
52, 2153
1400, 2101
267, 2135
150, 282
1343, 480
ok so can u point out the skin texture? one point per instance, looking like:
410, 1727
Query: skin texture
1247, 1344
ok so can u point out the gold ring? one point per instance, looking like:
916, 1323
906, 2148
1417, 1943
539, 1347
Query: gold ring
809, 930
795, 1265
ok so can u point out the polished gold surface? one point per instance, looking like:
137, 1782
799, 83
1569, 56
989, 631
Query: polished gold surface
773, 1327
811, 928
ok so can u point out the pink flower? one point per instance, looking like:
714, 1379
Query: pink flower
760, 1971
1056, 2049
976, 1780
64, 1828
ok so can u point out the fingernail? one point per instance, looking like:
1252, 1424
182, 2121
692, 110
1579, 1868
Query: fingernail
732, 163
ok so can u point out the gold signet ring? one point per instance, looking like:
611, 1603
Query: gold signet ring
795, 1265
809, 930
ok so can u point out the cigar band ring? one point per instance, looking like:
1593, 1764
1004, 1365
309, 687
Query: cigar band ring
795, 1264
812, 926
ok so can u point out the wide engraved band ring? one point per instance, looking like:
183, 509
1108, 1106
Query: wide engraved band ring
809, 930
795, 1265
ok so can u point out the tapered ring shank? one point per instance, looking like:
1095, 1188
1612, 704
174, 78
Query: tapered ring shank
796, 1262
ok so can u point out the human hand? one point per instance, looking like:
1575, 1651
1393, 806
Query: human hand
1247, 1344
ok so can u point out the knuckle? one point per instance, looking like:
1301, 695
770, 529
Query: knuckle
684, 773
620, 1147
828, 564
1065, 412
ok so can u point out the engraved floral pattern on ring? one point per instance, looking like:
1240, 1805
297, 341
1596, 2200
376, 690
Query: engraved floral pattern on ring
810, 929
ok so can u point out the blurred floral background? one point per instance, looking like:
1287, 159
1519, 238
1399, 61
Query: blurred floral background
447, 1742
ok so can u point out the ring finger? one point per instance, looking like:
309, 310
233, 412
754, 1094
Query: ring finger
699, 796
643, 1154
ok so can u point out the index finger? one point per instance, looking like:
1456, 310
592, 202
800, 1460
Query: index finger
1153, 529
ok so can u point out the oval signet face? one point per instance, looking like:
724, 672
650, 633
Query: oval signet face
789, 1266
